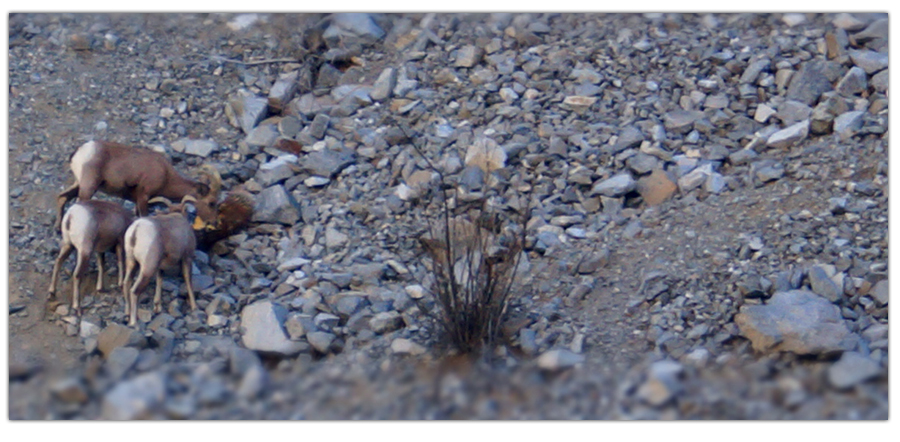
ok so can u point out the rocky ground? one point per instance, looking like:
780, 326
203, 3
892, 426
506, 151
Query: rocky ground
707, 194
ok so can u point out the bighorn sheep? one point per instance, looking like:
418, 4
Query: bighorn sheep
136, 174
91, 226
154, 243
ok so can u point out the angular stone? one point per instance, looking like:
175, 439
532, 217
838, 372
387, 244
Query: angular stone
120, 361
681, 121
245, 110
261, 329
384, 85
813, 79
200, 148
848, 124
869, 61
851, 369
790, 112
789, 136
881, 80
276, 205
579, 101
137, 398
262, 136
275, 171
403, 346
694, 178
848, 22
797, 321
352, 27
114, 336
558, 359
822, 285
615, 186
880, 293
321, 341
283, 90
656, 187
70, 389
327, 163
853, 83
468, 56
751, 73
334, 238
386, 322
641, 163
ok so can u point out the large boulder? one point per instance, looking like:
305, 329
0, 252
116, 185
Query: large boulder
797, 321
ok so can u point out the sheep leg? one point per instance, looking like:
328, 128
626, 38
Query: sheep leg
130, 267
140, 202
120, 263
157, 297
186, 269
138, 287
64, 253
80, 270
99, 272
61, 200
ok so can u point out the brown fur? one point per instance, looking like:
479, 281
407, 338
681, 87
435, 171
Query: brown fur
136, 174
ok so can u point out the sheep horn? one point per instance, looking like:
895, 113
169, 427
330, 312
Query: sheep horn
189, 198
160, 199
215, 179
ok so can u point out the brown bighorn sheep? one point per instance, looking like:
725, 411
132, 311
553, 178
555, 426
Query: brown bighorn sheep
92, 226
136, 174
163, 241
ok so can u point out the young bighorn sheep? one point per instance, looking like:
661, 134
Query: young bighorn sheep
136, 174
163, 241
92, 226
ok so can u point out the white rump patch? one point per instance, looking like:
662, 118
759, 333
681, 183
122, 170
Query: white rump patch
85, 153
80, 221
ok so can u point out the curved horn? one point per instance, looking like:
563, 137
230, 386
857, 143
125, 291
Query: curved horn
160, 199
189, 198
215, 180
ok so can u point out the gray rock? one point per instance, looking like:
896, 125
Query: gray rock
558, 359
320, 341
695, 178
350, 27
117, 335
528, 341
200, 148
386, 322
715, 183
629, 137
662, 383
404, 84
616, 186
853, 83
848, 124
851, 369
797, 321
791, 112
276, 205
848, 22
283, 90
751, 73
880, 292
335, 239
821, 120
319, 125
681, 121
275, 171
822, 285
326, 163
468, 56
876, 30
789, 136
138, 398
70, 389
262, 136
403, 346
641, 163
869, 61
245, 110
742, 156
120, 361
594, 262
881, 80
768, 171
813, 79
261, 329
384, 84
